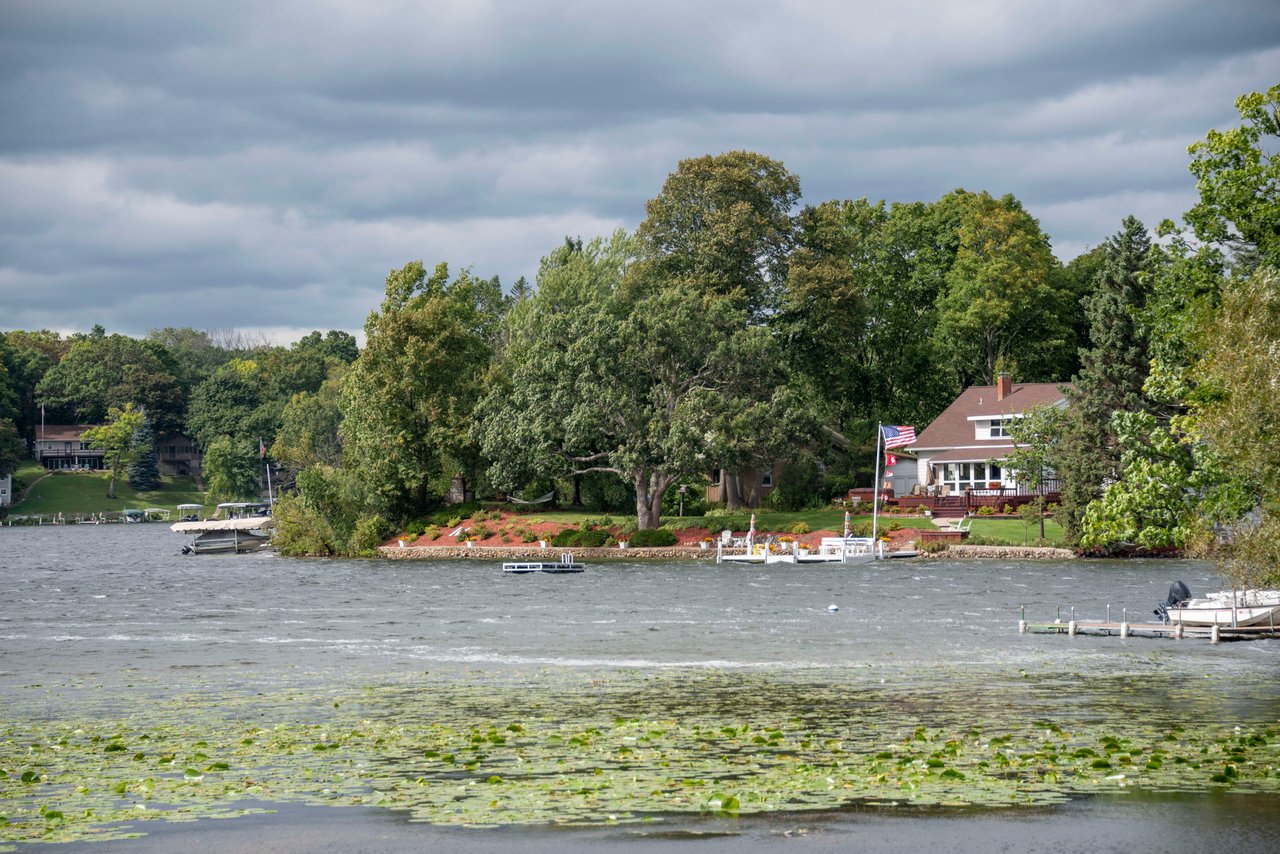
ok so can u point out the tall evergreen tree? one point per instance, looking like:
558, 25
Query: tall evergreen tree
144, 471
1112, 372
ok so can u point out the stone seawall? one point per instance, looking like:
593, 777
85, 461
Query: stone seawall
550, 554
1010, 552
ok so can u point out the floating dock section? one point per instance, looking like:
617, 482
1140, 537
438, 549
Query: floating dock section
1124, 629
564, 565
830, 550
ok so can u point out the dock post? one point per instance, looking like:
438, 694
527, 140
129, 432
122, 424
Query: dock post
719, 550
1071, 628
1216, 635
1177, 630
1022, 620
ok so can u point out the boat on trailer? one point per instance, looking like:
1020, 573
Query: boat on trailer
226, 536
1223, 608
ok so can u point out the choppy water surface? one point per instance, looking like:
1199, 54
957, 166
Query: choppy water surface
112, 623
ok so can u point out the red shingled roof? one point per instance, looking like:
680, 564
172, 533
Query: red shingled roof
953, 429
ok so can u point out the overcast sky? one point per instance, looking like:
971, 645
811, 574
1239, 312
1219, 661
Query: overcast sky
262, 165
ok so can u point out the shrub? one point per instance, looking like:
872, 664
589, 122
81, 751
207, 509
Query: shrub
932, 547
580, 538
453, 521
626, 528
481, 531
416, 527
527, 536
368, 535
986, 510
800, 528
651, 537
431, 532
860, 529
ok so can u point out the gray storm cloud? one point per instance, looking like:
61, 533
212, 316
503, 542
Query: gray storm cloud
166, 164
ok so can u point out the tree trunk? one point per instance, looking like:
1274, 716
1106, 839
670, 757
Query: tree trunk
649, 492
111, 487
577, 490
753, 500
732, 491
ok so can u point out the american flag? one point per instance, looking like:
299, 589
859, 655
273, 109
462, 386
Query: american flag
898, 437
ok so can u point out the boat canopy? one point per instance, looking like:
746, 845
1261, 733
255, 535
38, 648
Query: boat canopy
190, 506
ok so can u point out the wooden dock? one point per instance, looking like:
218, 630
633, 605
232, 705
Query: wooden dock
1215, 634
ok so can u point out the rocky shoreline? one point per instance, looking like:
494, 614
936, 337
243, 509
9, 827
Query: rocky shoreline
551, 554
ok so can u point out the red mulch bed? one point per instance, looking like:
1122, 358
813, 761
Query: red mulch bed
512, 525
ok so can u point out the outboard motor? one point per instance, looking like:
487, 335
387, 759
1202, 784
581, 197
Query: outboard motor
1178, 593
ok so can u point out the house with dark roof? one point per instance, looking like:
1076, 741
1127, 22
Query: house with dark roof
61, 446
960, 456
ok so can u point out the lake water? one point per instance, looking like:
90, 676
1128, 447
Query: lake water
99, 619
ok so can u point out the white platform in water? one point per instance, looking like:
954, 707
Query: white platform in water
565, 564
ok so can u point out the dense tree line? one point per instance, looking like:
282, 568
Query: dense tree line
735, 328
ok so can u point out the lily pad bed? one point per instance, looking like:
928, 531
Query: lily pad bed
560, 749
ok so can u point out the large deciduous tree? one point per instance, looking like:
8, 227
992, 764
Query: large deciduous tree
858, 313
226, 404
408, 400
1000, 309
231, 469
1238, 176
103, 371
611, 367
722, 225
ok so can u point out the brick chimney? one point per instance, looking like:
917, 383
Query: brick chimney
1004, 386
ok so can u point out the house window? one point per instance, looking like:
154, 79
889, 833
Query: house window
766, 478
715, 477
962, 476
999, 429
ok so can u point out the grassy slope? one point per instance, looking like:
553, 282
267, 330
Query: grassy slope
86, 492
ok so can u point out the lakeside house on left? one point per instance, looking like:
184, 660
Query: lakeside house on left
62, 447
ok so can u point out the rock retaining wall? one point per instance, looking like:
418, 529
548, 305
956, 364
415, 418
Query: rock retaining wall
551, 554
958, 550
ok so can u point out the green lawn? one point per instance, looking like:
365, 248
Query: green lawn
1013, 532
86, 492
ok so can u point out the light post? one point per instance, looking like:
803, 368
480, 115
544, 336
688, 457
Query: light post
682, 490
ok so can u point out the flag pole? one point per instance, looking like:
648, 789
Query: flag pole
875, 491
262, 452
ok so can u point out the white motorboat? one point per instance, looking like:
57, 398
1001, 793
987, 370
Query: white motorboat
1223, 608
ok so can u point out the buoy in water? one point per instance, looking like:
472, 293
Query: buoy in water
833, 607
